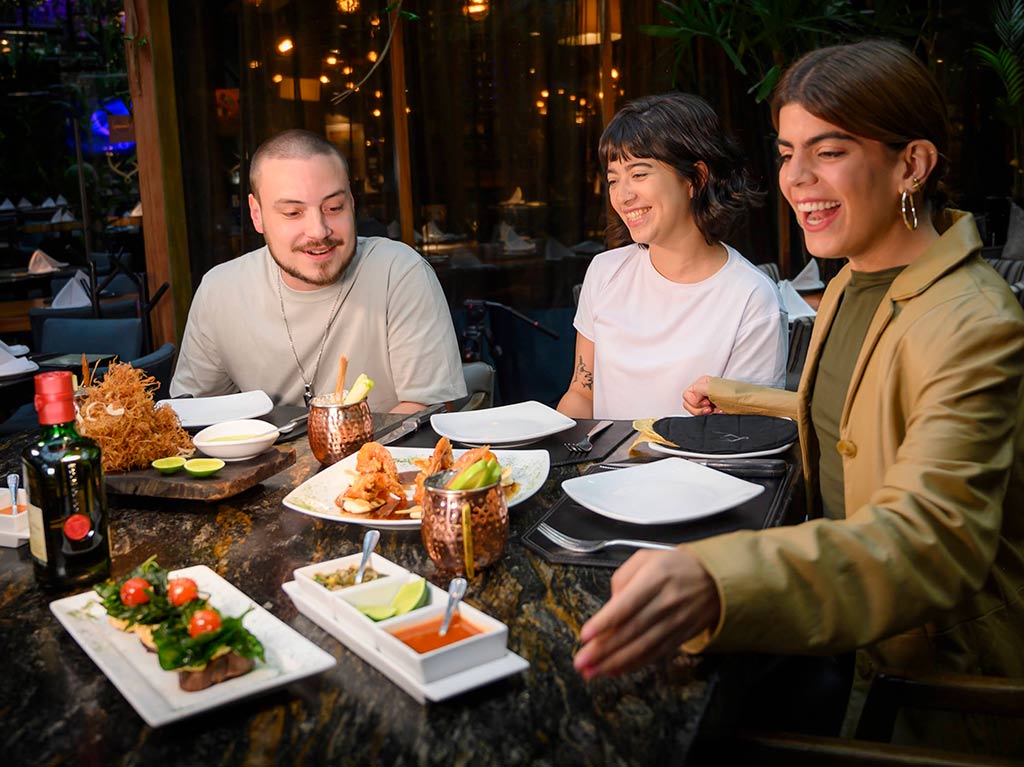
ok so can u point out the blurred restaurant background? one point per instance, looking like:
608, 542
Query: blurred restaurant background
471, 130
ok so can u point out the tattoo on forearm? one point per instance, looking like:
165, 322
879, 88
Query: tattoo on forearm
583, 375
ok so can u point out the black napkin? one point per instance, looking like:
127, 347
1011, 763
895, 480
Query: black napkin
721, 434
771, 508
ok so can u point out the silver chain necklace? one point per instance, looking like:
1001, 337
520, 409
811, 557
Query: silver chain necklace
307, 394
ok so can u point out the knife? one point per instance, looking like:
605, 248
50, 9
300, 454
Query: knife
409, 425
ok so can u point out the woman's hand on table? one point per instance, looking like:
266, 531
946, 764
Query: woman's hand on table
696, 399
659, 600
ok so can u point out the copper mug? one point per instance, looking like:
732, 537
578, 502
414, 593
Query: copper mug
448, 513
336, 430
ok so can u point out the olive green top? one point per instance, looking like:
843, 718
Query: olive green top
860, 300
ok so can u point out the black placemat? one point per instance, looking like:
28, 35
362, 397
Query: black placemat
604, 443
282, 414
726, 434
769, 509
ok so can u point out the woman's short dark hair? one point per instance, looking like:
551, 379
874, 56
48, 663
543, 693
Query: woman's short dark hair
680, 130
876, 89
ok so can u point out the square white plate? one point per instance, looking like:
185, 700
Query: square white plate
520, 423
153, 692
316, 495
205, 411
443, 688
661, 492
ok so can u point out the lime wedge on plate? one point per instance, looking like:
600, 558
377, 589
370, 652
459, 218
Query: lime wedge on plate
412, 595
203, 467
378, 612
168, 465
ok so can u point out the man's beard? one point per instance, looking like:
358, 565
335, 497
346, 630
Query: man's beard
326, 275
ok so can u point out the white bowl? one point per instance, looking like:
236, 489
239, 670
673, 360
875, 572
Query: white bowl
261, 435
490, 644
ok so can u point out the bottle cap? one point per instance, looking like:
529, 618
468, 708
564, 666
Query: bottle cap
55, 398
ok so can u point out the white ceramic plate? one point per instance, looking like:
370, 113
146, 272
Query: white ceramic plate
18, 366
661, 492
205, 411
153, 692
521, 423
316, 495
715, 456
443, 688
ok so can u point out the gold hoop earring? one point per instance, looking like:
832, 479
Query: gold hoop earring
908, 210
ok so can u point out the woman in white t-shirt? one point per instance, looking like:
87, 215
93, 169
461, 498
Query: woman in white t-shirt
677, 302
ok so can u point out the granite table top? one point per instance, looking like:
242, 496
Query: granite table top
59, 708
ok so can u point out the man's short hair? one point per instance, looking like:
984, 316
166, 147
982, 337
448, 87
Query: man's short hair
293, 144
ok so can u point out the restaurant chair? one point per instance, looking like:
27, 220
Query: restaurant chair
160, 365
121, 337
479, 387
1017, 289
1009, 269
772, 270
576, 290
799, 340
38, 317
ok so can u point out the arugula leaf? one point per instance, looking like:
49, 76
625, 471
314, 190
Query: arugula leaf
176, 649
156, 610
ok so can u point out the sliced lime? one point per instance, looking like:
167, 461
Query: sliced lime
378, 612
168, 465
412, 595
203, 467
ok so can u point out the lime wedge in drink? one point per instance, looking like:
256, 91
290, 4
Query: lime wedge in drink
412, 595
378, 612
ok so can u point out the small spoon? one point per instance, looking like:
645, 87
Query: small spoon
456, 591
12, 485
292, 423
369, 544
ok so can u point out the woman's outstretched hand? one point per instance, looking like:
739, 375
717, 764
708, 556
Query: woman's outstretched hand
696, 400
659, 600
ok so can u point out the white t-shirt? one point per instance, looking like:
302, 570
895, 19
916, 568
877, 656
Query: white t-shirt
653, 337
392, 323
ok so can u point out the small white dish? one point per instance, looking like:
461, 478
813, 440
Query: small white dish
442, 689
316, 495
204, 411
305, 576
14, 528
660, 492
666, 450
521, 423
219, 440
155, 693
347, 604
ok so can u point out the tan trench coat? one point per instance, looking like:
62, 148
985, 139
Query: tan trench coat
927, 569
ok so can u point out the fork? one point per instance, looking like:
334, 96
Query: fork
586, 547
585, 445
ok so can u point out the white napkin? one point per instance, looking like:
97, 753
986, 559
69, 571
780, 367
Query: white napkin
40, 263
809, 277
60, 200
137, 210
15, 350
56, 219
511, 241
23, 203
434, 233
794, 302
11, 365
67, 216
7, 204
74, 293
48, 203
516, 198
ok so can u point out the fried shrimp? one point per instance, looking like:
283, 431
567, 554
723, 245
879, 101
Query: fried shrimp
376, 482
441, 459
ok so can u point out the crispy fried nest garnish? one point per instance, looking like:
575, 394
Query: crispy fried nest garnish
120, 415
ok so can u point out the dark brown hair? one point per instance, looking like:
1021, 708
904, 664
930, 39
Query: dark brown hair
292, 144
876, 89
680, 130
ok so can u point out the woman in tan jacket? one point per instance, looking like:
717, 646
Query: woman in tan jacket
909, 412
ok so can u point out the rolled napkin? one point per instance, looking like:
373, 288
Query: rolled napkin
23, 204
15, 350
60, 200
511, 241
40, 263
74, 293
11, 365
67, 215
48, 203
7, 204
794, 302
56, 218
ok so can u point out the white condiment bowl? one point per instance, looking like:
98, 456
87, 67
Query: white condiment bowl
260, 435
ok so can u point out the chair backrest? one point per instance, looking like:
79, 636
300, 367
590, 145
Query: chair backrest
1017, 289
772, 270
1009, 269
576, 290
38, 317
158, 364
479, 387
118, 285
119, 308
122, 337
799, 340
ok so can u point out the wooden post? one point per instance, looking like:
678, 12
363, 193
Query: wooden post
401, 123
151, 84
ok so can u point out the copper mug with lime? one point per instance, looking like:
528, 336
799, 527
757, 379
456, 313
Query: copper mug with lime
335, 429
463, 529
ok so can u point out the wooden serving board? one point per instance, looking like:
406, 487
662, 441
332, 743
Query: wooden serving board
235, 477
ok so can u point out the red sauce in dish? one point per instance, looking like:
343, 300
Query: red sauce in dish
423, 637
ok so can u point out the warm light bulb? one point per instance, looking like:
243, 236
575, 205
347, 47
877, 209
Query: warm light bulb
540, 105
375, 22
346, 71
324, 79
544, 93
254, 64
332, 60
615, 73
277, 78
372, 56
476, 11
376, 113
583, 102
377, 94
285, 45
348, 6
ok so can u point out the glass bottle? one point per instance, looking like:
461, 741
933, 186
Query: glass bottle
67, 502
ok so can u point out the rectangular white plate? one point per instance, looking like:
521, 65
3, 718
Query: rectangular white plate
449, 686
316, 495
205, 411
510, 424
153, 692
660, 492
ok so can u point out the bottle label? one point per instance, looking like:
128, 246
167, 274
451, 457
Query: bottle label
36, 532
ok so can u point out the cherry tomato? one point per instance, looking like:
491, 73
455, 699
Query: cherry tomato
133, 592
181, 591
203, 622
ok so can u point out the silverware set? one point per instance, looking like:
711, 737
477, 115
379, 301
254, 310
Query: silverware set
585, 445
581, 546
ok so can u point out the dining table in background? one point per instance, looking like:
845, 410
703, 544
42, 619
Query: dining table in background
60, 708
